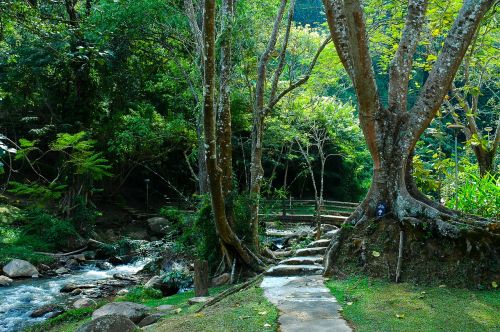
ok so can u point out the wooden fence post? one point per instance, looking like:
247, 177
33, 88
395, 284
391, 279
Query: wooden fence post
200, 278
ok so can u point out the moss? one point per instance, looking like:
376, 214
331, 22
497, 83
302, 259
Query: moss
380, 306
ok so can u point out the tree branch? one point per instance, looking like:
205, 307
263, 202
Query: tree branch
336, 19
401, 64
264, 59
282, 56
301, 81
446, 66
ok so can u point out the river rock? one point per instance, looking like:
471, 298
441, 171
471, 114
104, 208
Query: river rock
150, 319
158, 225
157, 282
199, 299
62, 270
19, 268
68, 288
72, 263
79, 257
117, 260
133, 311
122, 292
104, 265
126, 277
5, 281
83, 303
165, 307
221, 280
43, 310
89, 254
109, 323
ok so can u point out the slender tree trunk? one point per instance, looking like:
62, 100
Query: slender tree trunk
485, 159
230, 242
224, 136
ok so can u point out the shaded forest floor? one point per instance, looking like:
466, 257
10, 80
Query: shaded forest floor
373, 305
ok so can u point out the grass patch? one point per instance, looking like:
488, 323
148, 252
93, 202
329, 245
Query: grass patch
380, 306
67, 322
245, 311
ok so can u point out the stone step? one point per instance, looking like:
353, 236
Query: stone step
330, 234
304, 260
319, 243
310, 251
294, 270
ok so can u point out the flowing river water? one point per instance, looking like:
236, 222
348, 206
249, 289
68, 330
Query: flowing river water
22, 297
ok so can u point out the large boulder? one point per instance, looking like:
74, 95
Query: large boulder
109, 323
158, 225
44, 310
167, 289
83, 303
151, 319
19, 268
133, 311
5, 281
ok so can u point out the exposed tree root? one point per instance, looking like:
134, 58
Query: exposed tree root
438, 247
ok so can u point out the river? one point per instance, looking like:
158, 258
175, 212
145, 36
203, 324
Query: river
23, 296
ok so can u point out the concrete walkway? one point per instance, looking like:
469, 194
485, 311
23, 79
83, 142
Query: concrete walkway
296, 287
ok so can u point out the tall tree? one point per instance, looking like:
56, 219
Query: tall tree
268, 96
232, 246
391, 132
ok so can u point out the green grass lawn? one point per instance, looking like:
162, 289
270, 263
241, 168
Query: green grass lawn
245, 311
373, 306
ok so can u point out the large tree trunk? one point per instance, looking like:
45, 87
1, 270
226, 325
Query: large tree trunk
391, 134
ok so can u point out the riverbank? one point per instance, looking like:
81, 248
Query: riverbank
245, 311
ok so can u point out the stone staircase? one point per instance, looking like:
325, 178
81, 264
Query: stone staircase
307, 261
296, 287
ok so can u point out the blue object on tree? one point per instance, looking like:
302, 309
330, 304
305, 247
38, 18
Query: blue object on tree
381, 209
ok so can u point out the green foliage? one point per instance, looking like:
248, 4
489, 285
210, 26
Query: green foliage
175, 216
70, 316
140, 294
479, 196
204, 235
25, 251
178, 278
84, 216
43, 231
41, 194
82, 157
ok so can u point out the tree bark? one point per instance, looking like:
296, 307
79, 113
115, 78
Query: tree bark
224, 136
228, 238
201, 278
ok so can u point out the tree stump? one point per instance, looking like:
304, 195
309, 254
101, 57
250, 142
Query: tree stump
200, 278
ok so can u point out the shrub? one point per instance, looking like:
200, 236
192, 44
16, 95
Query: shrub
83, 216
172, 214
43, 231
178, 278
142, 294
479, 196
